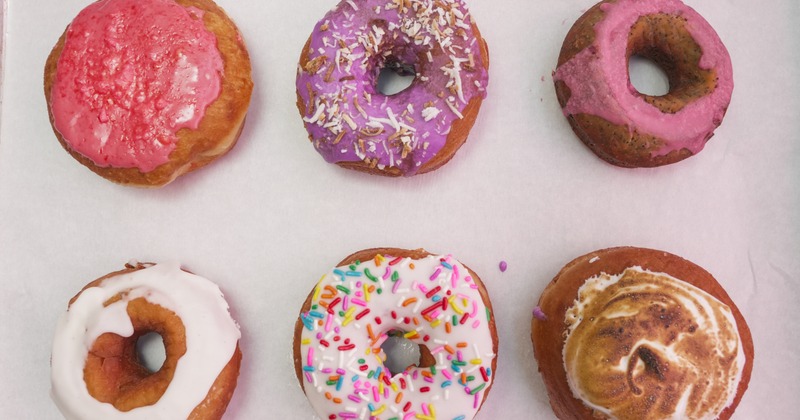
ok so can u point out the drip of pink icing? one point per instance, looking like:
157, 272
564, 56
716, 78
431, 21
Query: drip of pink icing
133, 73
598, 78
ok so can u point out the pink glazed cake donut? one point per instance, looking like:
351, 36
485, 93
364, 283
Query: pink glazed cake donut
628, 128
415, 131
142, 91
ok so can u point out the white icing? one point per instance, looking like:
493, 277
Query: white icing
211, 339
694, 300
356, 392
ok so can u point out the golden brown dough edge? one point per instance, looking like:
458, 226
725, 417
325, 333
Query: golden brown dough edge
415, 254
458, 132
548, 335
219, 395
218, 130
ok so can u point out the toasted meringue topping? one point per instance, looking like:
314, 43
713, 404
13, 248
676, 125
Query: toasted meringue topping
645, 345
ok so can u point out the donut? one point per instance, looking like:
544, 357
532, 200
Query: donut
143, 91
415, 131
96, 372
621, 125
634, 333
378, 295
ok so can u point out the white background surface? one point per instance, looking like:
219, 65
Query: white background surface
268, 219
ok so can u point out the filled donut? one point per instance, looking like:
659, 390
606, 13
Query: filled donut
142, 91
415, 131
382, 296
633, 333
621, 125
96, 371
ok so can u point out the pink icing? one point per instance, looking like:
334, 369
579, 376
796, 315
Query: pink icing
355, 38
133, 73
600, 85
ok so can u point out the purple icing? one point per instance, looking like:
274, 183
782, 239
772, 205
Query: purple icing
348, 120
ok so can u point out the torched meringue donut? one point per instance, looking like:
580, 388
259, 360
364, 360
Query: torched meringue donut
631, 333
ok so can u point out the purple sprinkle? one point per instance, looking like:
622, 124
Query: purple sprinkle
538, 314
503, 266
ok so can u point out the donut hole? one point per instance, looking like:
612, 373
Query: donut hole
666, 42
394, 77
402, 353
120, 370
647, 77
151, 352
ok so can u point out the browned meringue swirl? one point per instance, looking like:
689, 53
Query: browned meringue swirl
644, 345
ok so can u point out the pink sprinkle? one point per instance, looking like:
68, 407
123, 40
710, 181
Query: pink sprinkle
354, 398
345, 303
359, 294
309, 378
436, 273
477, 401
468, 279
410, 415
387, 274
319, 336
310, 358
375, 396
435, 314
340, 371
396, 285
327, 370
425, 410
476, 323
415, 374
386, 392
539, 314
358, 302
474, 310
337, 330
503, 266
422, 288
328, 322
455, 272
437, 349
447, 374
428, 379
459, 356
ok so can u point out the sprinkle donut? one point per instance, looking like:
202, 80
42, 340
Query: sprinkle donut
621, 125
415, 131
143, 91
96, 372
374, 295
633, 333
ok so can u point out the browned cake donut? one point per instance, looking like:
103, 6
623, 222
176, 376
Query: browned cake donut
621, 125
633, 333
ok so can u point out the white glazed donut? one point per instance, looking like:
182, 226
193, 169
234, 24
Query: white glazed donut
95, 369
437, 302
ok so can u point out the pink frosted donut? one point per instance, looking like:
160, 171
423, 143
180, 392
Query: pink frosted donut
621, 125
142, 91
352, 124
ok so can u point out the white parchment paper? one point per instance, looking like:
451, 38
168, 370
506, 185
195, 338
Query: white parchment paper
268, 219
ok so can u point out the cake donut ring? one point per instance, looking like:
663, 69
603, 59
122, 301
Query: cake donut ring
621, 125
634, 333
378, 294
143, 91
96, 372
415, 131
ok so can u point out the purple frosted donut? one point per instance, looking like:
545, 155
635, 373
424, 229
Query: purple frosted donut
417, 130
622, 125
